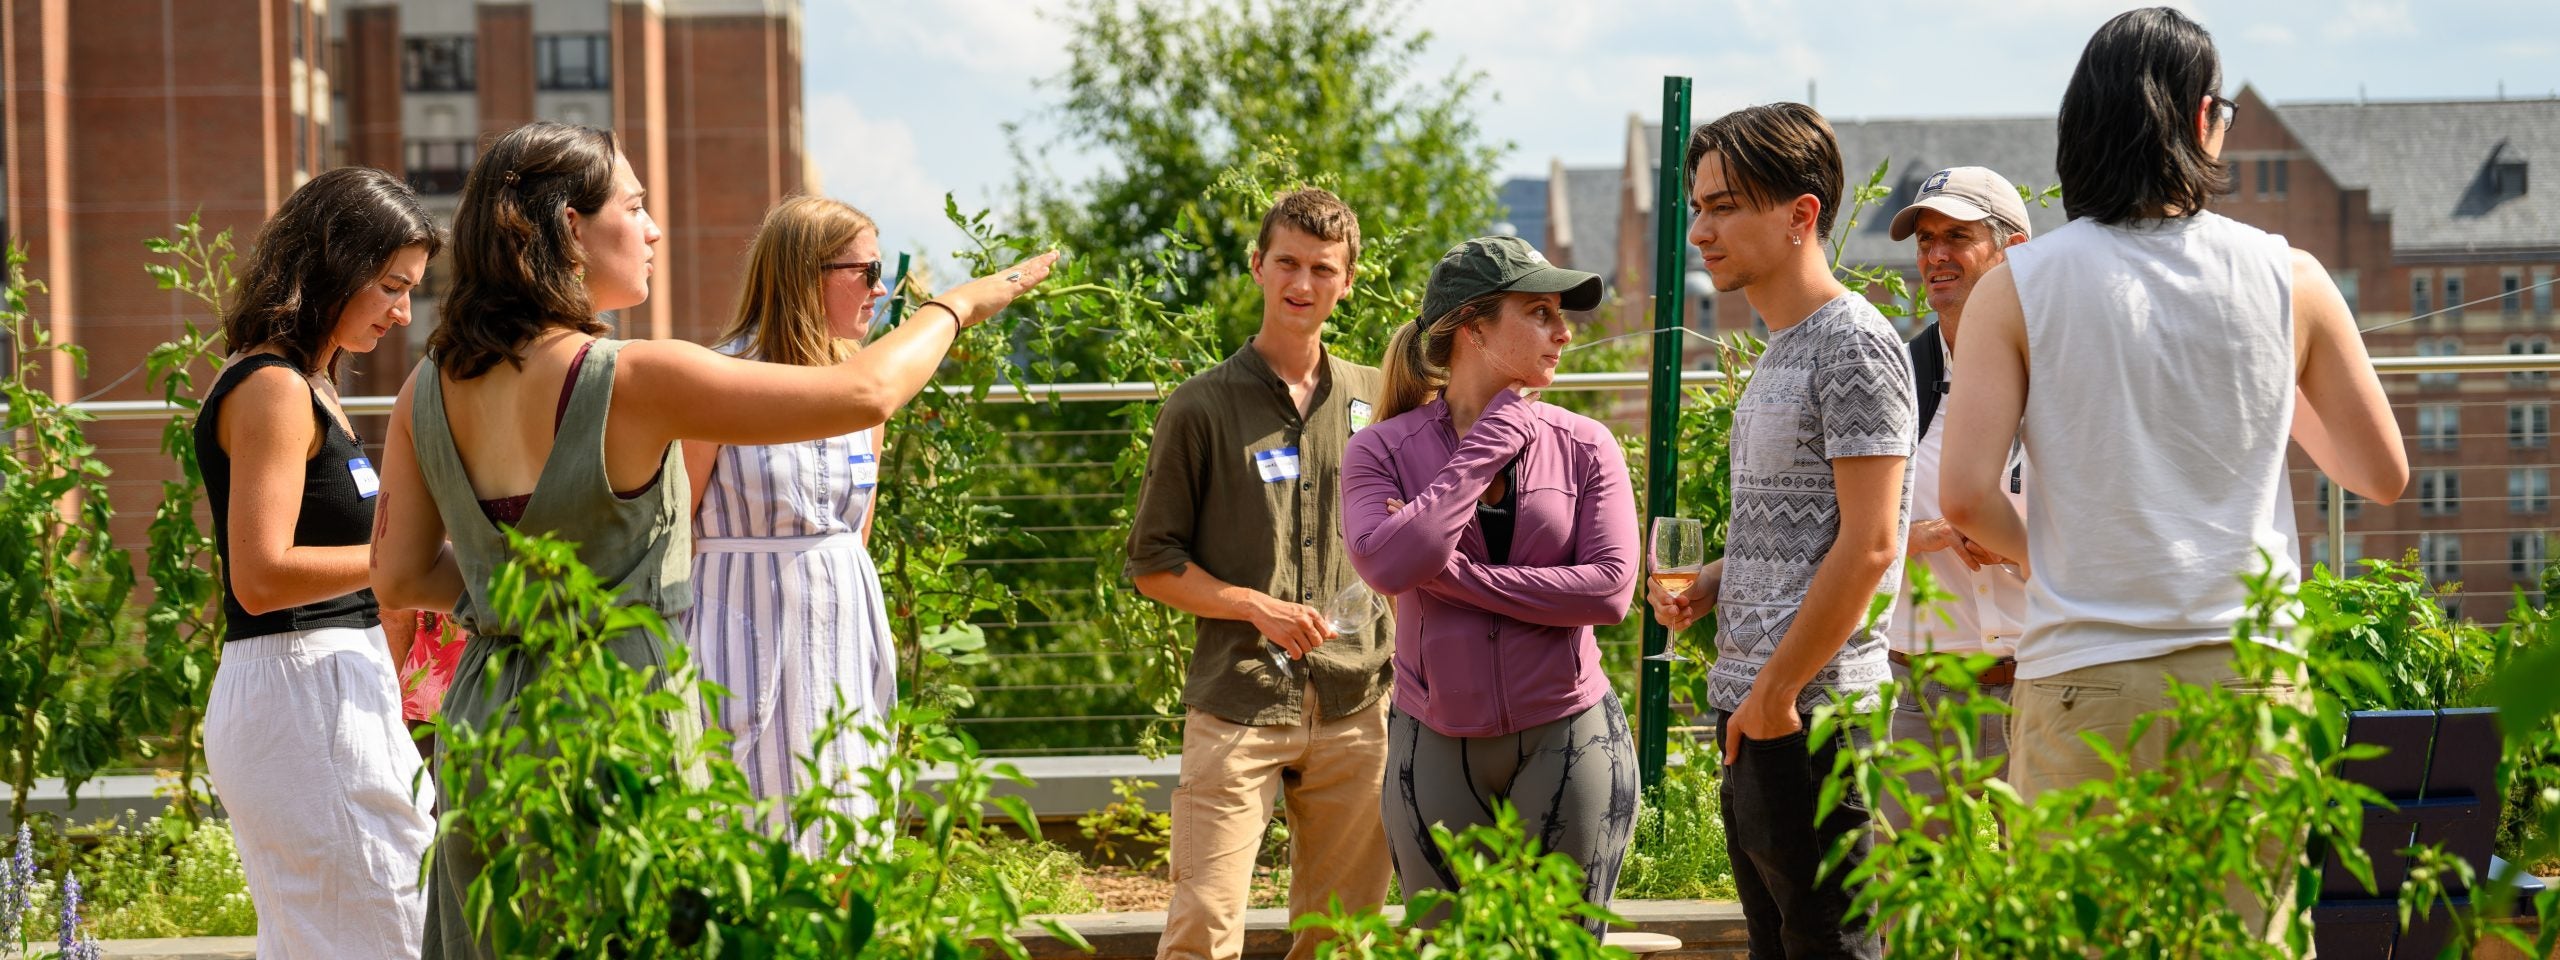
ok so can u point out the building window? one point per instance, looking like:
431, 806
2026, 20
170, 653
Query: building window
2439, 347
2528, 347
2283, 176
2510, 292
2440, 557
2453, 294
573, 61
2439, 493
2263, 179
437, 65
2421, 293
293, 30
2528, 425
2439, 426
2528, 489
2542, 284
2320, 491
2319, 552
2525, 556
438, 166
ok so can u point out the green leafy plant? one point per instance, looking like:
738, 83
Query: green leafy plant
609, 832
160, 877
2143, 864
1519, 904
63, 580
1679, 851
163, 697
1125, 831
2137, 865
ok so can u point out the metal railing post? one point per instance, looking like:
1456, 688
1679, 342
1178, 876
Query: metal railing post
1661, 462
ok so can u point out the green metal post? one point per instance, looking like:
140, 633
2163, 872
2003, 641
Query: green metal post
1661, 461
898, 295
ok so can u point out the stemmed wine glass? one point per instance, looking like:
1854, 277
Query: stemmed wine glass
1676, 555
1350, 612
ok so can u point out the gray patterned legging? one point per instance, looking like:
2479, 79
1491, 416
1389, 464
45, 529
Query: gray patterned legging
1573, 781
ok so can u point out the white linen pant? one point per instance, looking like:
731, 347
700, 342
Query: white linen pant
305, 748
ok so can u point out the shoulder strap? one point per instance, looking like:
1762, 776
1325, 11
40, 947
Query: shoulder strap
581, 421
1928, 374
449, 486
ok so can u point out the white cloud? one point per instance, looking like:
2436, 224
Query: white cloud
2371, 18
1002, 38
2270, 34
873, 163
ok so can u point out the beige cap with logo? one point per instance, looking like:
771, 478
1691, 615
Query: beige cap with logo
1965, 193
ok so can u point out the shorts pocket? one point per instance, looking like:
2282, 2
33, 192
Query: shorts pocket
2067, 691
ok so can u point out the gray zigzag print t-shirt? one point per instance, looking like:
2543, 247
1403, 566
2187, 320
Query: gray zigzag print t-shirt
1836, 385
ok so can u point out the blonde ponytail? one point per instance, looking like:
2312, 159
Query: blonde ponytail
1417, 362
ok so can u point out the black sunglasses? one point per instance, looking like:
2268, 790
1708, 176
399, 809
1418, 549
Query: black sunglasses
870, 269
2229, 108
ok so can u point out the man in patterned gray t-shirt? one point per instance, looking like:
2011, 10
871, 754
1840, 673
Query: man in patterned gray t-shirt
1836, 384
1821, 502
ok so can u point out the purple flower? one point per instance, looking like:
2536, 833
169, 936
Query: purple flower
15, 878
70, 939
75, 945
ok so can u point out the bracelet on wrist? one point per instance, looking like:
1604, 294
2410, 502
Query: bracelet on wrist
947, 308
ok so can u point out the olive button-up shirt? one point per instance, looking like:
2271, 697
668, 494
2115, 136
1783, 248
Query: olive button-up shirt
1241, 484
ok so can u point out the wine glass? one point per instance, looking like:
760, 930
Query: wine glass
1354, 608
1351, 611
1676, 555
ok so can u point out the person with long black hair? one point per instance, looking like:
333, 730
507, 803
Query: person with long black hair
303, 739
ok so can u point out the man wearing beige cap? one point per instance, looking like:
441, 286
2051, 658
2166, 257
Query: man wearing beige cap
1965, 220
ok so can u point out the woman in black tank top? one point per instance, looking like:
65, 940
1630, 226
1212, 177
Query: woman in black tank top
303, 735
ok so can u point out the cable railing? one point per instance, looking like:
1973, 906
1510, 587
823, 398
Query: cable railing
1057, 686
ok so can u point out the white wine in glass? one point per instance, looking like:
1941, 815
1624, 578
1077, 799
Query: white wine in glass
1675, 555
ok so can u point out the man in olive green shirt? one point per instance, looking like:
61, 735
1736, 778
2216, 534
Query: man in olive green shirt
1239, 524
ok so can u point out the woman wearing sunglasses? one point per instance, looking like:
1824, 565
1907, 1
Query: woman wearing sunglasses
788, 614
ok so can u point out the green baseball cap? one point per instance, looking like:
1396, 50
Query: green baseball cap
1503, 265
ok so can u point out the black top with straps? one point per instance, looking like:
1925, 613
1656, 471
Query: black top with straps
338, 488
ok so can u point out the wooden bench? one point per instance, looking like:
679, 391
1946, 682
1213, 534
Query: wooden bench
2440, 772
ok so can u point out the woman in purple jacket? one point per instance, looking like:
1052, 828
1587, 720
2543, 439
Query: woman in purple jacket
1506, 530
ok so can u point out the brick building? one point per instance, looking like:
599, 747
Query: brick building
2419, 209
123, 116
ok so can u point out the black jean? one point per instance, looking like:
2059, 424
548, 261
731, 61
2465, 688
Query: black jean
1793, 909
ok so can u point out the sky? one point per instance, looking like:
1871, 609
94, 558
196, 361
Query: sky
909, 101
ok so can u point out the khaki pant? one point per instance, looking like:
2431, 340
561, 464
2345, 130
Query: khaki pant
1331, 772
2047, 753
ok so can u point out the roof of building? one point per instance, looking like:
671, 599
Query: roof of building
1582, 219
2432, 166
1524, 210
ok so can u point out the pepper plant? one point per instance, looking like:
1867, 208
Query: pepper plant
63, 580
612, 832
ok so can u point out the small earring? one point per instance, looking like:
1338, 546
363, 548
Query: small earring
1798, 239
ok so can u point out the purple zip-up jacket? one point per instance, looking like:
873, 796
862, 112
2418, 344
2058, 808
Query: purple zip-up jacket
1485, 650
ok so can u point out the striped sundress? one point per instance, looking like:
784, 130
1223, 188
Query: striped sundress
788, 614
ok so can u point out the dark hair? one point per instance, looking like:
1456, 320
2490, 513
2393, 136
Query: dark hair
1316, 212
331, 237
515, 268
1773, 154
2128, 145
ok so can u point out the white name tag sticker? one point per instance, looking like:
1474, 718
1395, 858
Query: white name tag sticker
1277, 465
1360, 414
368, 482
866, 471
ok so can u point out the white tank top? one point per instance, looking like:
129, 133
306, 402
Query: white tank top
2159, 408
